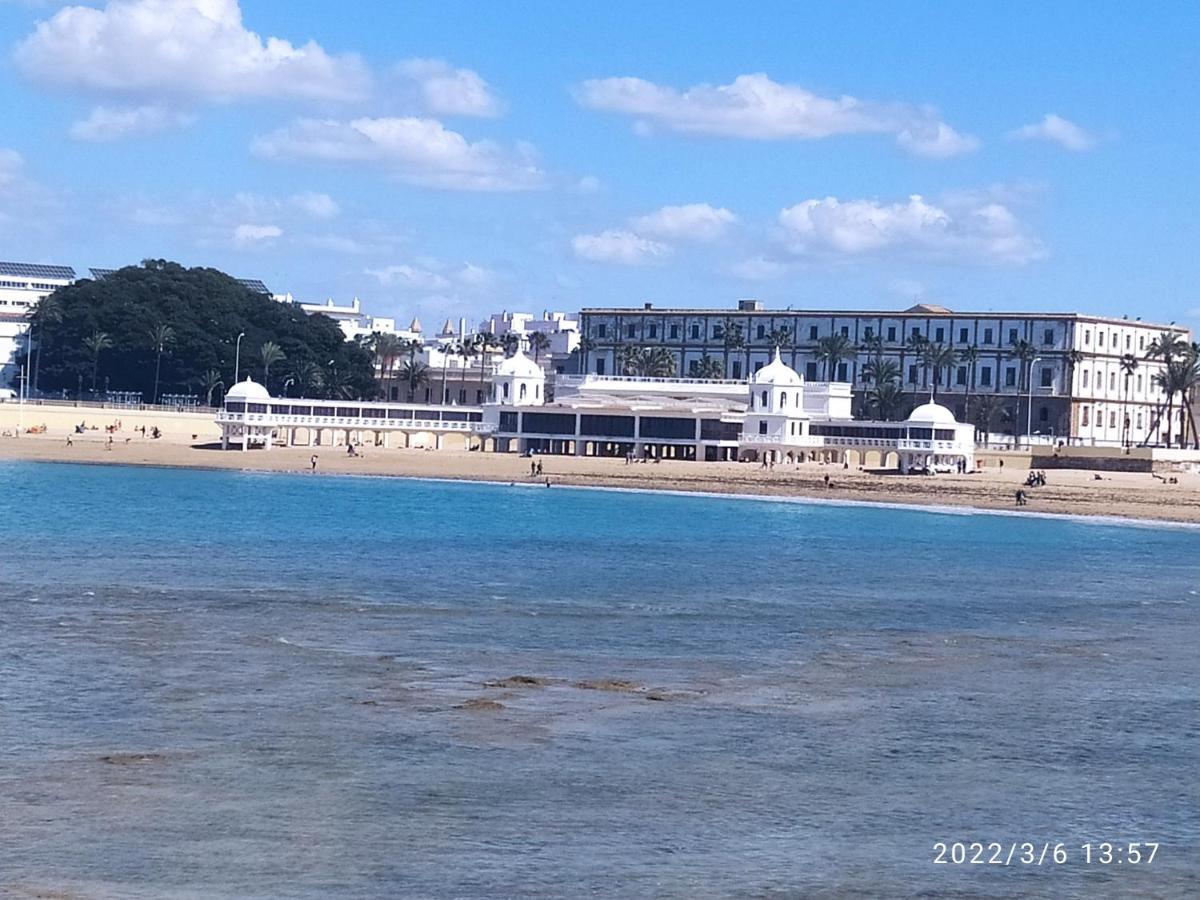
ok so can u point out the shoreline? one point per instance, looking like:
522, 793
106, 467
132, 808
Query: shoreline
1117, 498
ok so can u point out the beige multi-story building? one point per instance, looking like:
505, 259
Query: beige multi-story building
1083, 378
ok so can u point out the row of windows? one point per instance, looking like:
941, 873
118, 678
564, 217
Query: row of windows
695, 332
347, 412
1114, 343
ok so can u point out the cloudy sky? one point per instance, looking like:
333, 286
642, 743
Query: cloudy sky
446, 158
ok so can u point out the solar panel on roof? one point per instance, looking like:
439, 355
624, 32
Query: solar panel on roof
36, 270
254, 284
98, 274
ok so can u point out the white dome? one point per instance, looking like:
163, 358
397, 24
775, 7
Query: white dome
777, 372
248, 390
932, 413
520, 366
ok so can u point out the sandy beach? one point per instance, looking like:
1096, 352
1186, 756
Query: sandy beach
1070, 492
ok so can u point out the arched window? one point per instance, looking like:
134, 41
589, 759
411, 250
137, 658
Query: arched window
783, 400
522, 392
506, 390
537, 392
764, 399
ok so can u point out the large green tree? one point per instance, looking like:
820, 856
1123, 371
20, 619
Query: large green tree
206, 310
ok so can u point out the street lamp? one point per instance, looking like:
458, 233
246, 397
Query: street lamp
1029, 405
237, 357
288, 384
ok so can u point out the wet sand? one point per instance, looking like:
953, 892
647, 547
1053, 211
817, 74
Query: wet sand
1069, 492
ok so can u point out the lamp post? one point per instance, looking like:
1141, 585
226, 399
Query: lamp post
237, 357
1029, 405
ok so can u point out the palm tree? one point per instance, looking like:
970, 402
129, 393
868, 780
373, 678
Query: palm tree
512, 342
96, 343
1024, 352
308, 377
467, 350
486, 343
1167, 346
161, 337
710, 367
779, 339
881, 371
387, 349
586, 346
337, 384
831, 350
732, 338
939, 358
209, 382
915, 344
985, 413
885, 400
48, 311
538, 342
271, 353
1129, 364
415, 375
968, 356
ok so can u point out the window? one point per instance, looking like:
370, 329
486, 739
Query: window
960, 377
1084, 420
522, 395
1010, 376
810, 371
912, 374
1139, 383
1012, 335
1139, 420
653, 331
1128, 341
939, 335
694, 367
868, 333
462, 395
1112, 419
762, 332
1085, 377
1099, 338
985, 376
1112, 381
793, 424
987, 335
505, 391
478, 397
630, 330
916, 331
764, 399
674, 332
1141, 342
695, 332
616, 426
841, 371
1087, 337
1047, 377
783, 400
963, 335
762, 427
718, 331
812, 332
892, 334
600, 365
601, 330
1048, 337
1043, 414
1114, 340
737, 369
845, 331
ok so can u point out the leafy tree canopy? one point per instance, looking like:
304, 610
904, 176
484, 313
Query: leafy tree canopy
206, 310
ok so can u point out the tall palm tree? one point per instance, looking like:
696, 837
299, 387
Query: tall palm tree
710, 367
985, 413
885, 400
46, 314
732, 338
831, 350
388, 348
1129, 365
1023, 352
1167, 346
270, 353
538, 342
415, 375
968, 356
915, 344
881, 371
209, 382
939, 358
96, 343
512, 343
586, 345
487, 344
779, 339
161, 337
308, 377
336, 382
467, 350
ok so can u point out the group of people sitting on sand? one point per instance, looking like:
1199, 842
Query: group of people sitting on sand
1036, 479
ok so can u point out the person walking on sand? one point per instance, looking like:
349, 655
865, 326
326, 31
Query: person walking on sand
539, 468
532, 468
108, 446
313, 462
70, 443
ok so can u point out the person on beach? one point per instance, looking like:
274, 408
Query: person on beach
313, 462
826, 481
108, 446
1022, 500
539, 467
70, 443
532, 468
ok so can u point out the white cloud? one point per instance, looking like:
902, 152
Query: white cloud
759, 268
110, 123
754, 107
11, 166
246, 235
615, 246
443, 90
319, 206
406, 276
693, 221
1056, 130
414, 150
980, 232
184, 49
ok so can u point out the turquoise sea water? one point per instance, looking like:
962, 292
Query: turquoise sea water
218, 684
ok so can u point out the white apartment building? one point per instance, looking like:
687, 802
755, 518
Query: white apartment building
561, 329
22, 285
1074, 388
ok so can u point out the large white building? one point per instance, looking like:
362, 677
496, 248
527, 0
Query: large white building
22, 285
1079, 384
561, 330
774, 416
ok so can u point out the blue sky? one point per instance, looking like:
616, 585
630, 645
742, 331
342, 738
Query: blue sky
458, 158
